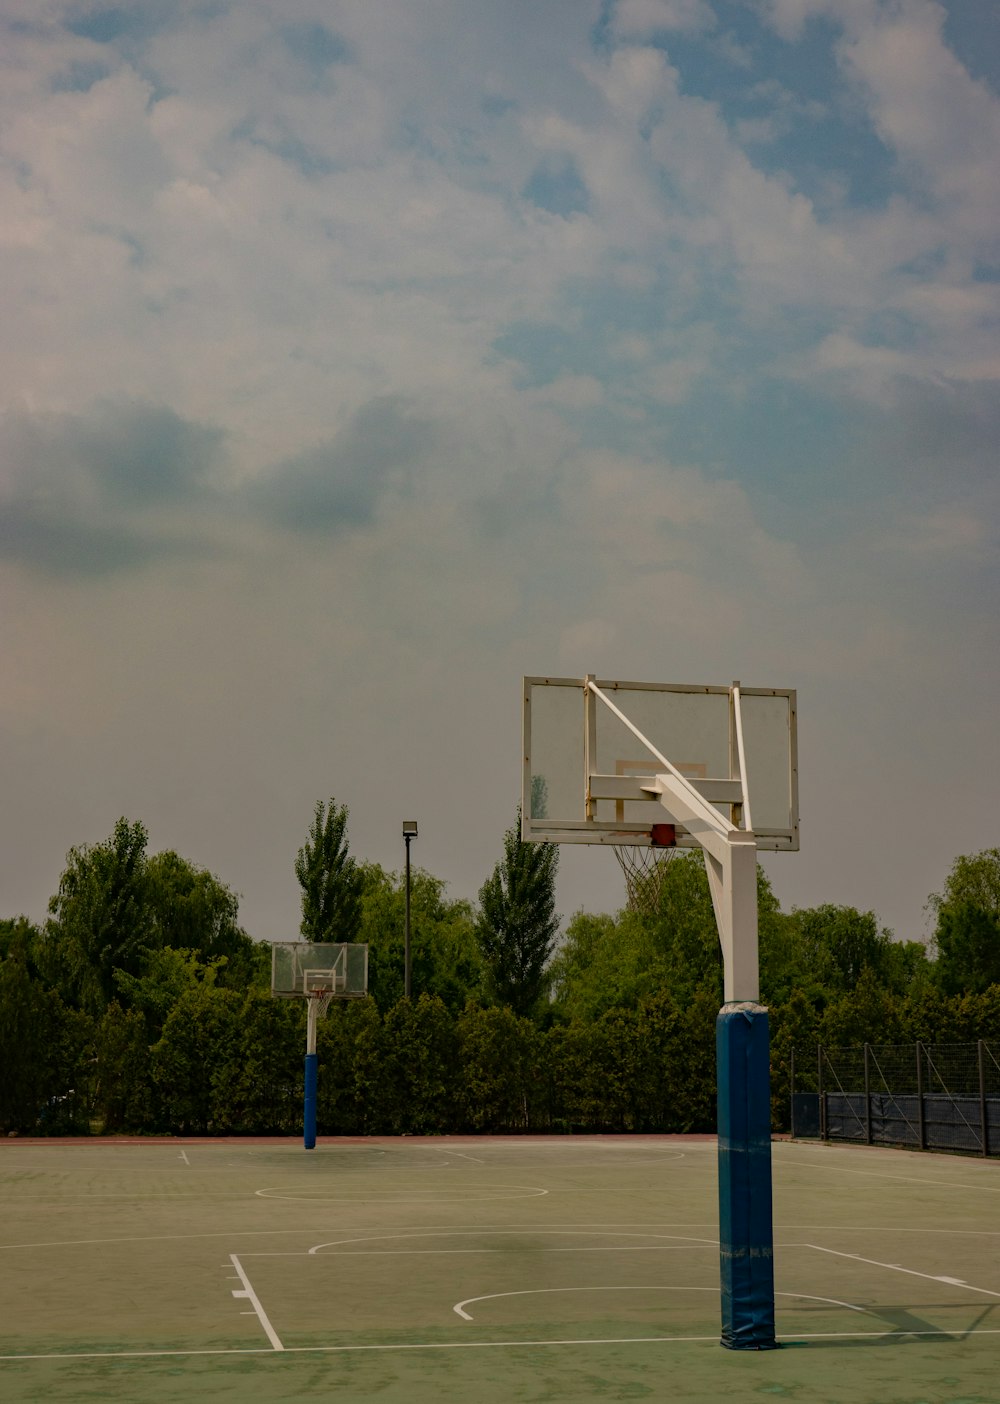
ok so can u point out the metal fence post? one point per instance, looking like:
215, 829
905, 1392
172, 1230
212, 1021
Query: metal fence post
819, 1086
920, 1098
868, 1102
984, 1127
791, 1079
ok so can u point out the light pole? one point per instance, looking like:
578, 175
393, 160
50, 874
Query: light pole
409, 833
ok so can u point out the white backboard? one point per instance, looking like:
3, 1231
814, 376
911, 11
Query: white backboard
583, 767
300, 968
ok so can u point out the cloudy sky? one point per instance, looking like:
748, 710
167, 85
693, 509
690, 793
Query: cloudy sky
360, 356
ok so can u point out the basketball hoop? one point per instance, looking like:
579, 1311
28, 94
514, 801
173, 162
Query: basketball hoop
321, 1000
645, 870
699, 746
319, 972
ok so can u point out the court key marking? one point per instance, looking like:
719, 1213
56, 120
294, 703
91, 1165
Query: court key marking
911, 1272
251, 1296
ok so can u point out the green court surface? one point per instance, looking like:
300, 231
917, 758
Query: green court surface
482, 1270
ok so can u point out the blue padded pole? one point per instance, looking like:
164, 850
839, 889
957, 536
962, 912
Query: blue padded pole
746, 1238
309, 1109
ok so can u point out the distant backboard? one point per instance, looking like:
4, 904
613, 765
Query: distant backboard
583, 768
299, 968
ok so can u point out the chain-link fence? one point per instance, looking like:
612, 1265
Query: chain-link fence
928, 1096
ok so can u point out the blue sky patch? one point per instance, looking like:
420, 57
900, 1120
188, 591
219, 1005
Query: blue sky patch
558, 188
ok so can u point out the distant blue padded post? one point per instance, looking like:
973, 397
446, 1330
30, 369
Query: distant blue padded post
309, 1109
746, 1238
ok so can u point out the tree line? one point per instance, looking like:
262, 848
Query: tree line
142, 1005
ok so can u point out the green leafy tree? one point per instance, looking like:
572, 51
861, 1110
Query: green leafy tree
694, 1073
620, 1059
124, 1096
44, 1052
258, 1087
840, 943
656, 1072
785, 960
518, 926
973, 878
593, 968
793, 1027
931, 1016
443, 950
868, 1013
329, 877
375, 1091
604, 962
166, 975
572, 1076
420, 1049
116, 907
350, 1091
967, 934
199, 1041
968, 949
20, 938
906, 967
499, 1054
684, 929
650, 1068
101, 917
608, 962
27, 1028
657, 1098
193, 910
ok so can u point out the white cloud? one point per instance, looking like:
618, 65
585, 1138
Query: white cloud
571, 392
642, 19
943, 532
927, 108
869, 370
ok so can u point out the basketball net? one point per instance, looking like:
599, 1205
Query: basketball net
321, 1000
645, 870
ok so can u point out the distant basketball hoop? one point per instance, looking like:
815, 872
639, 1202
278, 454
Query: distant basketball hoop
318, 972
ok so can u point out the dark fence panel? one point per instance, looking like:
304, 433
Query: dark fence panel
919, 1096
843, 1116
953, 1123
895, 1120
805, 1114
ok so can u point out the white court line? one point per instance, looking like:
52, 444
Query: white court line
910, 1272
485, 1228
881, 1175
457, 1252
494, 1345
458, 1308
184, 1157
376, 1197
584, 1231
251, 1296
473, 1252
883, 1228
282, 1233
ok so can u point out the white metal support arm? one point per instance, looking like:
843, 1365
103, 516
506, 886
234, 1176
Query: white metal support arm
730, 861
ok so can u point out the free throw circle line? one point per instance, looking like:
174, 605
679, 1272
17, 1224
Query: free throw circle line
458, 1308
